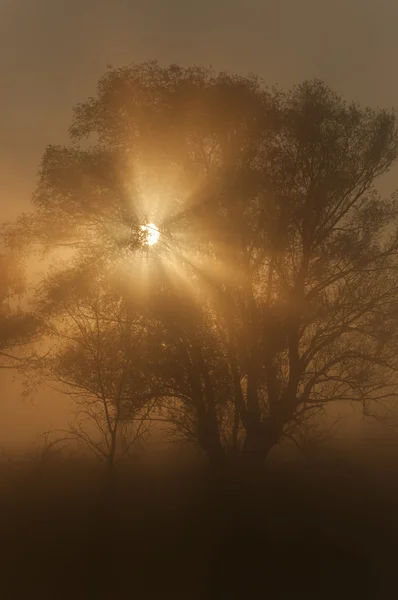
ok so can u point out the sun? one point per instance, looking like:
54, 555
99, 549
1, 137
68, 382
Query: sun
152, 234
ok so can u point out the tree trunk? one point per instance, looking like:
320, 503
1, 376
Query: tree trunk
260, 439
110, 462
209, 437
208, 426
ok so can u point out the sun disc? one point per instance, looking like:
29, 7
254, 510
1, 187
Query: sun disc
152, 234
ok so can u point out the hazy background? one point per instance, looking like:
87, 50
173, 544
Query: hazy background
54, 51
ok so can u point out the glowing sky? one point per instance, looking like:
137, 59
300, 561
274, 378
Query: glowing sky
53, 53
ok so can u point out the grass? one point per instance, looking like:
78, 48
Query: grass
323, 531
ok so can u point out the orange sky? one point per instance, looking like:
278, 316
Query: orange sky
53, 53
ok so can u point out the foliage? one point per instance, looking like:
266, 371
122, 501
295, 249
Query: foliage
96, 360
272, 291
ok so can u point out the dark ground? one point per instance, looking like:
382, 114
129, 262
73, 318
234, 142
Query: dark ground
325, 531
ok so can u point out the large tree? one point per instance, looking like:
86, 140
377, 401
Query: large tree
272, 290
314, 315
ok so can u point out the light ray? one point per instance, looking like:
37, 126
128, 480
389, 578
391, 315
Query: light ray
152, 234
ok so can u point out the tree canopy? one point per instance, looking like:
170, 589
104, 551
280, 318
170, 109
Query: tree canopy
272, 290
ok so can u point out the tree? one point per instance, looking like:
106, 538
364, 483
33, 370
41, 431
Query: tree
95, 359
266, 202
188, 373
331, 273
314, 313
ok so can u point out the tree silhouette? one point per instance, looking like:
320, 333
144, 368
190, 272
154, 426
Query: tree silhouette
96, 359
272, 290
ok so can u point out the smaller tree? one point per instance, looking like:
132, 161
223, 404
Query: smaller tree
96, 362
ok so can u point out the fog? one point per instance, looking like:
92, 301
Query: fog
224, 463
53, 56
